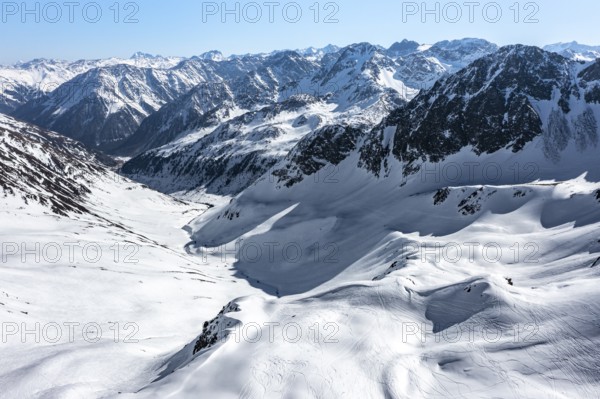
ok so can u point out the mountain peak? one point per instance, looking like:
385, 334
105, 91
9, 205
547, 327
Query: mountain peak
402, 48
465, 44
519, 48
213, 55
363, 48
528, 54
141, 55
575, 50
318, 52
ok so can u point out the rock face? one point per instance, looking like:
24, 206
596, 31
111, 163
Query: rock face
217, 329
45, 168
501, 101
487, 106
326, 146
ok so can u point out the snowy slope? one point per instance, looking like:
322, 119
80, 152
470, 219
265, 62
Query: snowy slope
575, 51
447, 248
27, 81
45, 168
228, 158
399, 311
445, 280
107, 104
97, 264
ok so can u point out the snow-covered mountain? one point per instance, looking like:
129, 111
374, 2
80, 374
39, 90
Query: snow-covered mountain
31, 80
575, 51
45, 168
238, 85
85, 248
361, 82
459, 53
432, 255
213, 55
316, 54
205, 106
356, 77
125, 98
231, 157
403, 48
119, 97
107, 104
444, 246
524, 93
424, 65
26, 81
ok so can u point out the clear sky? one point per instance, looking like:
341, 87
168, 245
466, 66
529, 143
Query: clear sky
71, 30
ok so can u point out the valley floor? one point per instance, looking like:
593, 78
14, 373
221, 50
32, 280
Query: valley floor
95, 305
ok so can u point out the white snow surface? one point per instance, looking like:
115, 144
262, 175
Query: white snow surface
343, 285
575, 51
379, 303
410, 298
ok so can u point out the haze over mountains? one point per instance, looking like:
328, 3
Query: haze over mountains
357, 222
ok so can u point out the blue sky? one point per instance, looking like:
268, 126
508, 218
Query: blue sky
88, 29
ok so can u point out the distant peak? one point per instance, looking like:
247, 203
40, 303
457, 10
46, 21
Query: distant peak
575, 50
331, 48
404, 47
570, 45
142, 55
519, 49
312, 51
213, 55
363, 47
465, 42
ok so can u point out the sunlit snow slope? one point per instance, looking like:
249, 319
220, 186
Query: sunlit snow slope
97, 289
453, 250
398, 268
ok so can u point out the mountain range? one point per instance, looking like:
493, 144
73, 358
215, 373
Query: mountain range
412, 221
